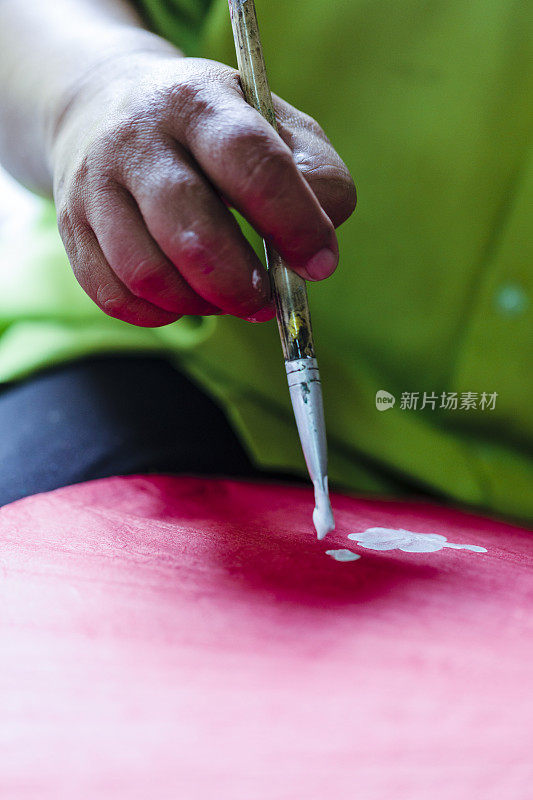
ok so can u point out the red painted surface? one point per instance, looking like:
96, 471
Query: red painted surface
183, 638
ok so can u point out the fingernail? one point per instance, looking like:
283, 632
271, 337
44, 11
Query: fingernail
322, 264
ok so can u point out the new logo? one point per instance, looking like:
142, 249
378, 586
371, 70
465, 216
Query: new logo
384, 400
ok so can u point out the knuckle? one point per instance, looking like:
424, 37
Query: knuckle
145, 277
334, 187
338, 178
110, 299
78, 189
189, 100
194, 251
350, 195
270, 171
202, 251
210, 260
73, 230
172, 186
344, 194
243, 139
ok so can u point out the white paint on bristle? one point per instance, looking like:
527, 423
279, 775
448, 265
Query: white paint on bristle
323, 519
306, 397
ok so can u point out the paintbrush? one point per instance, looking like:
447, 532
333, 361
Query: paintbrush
288, 289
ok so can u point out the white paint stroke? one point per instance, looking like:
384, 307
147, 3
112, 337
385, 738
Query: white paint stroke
408, 541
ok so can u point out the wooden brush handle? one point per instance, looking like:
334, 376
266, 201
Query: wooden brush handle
288, 288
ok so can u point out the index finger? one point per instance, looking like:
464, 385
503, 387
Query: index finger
255, 171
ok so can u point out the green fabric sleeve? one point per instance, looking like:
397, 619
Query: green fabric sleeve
178, 21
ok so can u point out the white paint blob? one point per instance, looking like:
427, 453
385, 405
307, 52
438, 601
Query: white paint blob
342, 555
408, 541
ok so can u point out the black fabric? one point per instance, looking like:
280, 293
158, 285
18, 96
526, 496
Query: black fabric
110, 416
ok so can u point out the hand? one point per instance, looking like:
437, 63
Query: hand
146, 161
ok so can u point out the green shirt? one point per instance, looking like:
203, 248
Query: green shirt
430, 107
